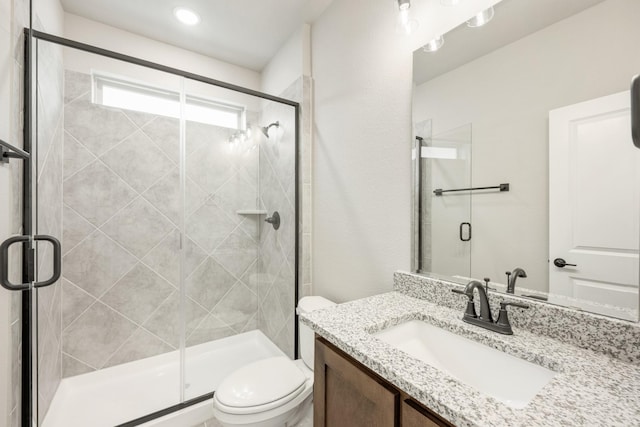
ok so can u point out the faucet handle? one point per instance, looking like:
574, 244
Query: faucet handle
471, 308
503, 318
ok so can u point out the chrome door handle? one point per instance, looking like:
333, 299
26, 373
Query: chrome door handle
560, 263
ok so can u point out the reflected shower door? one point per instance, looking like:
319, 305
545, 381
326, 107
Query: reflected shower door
446, 165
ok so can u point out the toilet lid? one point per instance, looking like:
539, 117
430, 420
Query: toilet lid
260, 383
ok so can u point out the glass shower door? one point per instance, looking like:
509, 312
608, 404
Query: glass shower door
106, 178
239, 286
446, 166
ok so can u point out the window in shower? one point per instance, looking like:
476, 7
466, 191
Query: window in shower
118, 92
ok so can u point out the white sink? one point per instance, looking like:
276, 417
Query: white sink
506, 378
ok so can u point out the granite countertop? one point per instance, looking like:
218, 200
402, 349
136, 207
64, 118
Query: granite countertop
590, 389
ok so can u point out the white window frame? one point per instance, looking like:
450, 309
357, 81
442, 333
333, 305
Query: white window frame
194, 104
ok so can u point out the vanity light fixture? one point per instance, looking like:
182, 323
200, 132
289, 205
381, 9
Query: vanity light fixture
186, 16
481, 18
405, 25
433, 45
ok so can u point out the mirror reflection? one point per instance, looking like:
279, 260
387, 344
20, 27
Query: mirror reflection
538, 98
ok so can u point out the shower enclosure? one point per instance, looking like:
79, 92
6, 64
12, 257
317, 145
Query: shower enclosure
442, 177
157, 183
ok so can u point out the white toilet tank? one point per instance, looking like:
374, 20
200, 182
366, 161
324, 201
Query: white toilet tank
307, 305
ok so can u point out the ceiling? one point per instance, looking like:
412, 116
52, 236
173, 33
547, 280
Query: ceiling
242, 32
514, 19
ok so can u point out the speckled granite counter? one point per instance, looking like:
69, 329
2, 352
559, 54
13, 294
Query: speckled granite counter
591, 389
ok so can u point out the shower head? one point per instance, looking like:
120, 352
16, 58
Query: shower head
265, 130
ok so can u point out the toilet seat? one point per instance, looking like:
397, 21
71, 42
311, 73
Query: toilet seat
260, 386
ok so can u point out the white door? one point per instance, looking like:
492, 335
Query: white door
594, 206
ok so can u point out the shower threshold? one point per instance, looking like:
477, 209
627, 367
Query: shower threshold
122, 393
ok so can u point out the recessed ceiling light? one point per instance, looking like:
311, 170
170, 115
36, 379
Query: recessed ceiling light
481, 18
433, 45
186, 16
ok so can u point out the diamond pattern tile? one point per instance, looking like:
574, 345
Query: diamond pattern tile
74, 302
165, 321
209, 283
96, 193
75, 228
211, 328
138, 161
165, 196
76, 156
209, 226
165, 133
165, 257
237, 252
94, 349
237, 306
96, 264
138, 294
97, 128
140, 345
139, 227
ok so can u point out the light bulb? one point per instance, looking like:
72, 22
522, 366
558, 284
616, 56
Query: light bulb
405, 25
433, 45
481, 18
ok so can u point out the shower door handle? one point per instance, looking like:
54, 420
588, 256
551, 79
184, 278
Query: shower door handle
57, 260
635, 110
462, 224
4, 263
30, 262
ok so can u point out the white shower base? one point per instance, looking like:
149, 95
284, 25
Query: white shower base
113, 396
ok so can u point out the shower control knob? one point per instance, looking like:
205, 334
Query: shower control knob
274, 220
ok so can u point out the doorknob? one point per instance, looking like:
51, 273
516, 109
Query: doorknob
560, 263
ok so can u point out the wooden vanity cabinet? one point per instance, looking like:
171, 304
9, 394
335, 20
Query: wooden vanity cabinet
348, 394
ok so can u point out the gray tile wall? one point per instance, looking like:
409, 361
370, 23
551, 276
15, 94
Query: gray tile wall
276, 303
49, 80
121, 234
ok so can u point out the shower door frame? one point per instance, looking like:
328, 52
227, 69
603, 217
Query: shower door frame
29, 303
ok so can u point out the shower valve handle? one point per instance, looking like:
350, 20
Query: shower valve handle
274, 220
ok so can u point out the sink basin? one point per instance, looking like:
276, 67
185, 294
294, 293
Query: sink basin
502, 376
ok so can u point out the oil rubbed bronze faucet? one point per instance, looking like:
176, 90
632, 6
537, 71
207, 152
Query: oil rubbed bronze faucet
485, 320
512, 277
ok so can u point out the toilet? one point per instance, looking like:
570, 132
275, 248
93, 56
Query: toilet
272, 392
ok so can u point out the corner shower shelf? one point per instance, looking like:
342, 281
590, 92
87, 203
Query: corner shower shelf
251, 212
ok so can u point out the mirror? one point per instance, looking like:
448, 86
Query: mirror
543, 86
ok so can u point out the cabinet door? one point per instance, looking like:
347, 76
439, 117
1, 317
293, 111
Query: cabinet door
414, 415
344, 395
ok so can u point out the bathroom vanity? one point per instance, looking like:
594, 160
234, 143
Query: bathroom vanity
360, 397
365, 379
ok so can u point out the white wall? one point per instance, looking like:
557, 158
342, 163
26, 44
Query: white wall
507, 96
48, 16
291, 61
361, 159
107, 37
